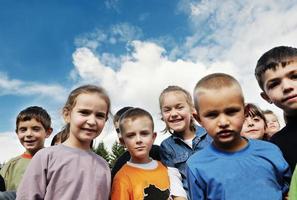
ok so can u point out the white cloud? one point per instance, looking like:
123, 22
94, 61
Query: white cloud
9, 146
117, 33
18, 87
228, 36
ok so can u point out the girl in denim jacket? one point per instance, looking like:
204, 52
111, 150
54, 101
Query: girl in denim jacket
186, 138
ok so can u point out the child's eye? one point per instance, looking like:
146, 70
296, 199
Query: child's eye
84, 112
256, 119
165, 110
211, 115
100, 115
232, 111
294, 76
36, 128
272, 85
22, 130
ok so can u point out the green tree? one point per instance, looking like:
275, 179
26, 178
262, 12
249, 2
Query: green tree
117, 150
102, 151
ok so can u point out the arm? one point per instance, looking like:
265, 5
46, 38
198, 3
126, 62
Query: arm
120, 188
176, 186
34, 183
195, 188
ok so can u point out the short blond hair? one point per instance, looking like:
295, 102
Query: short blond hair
215, 81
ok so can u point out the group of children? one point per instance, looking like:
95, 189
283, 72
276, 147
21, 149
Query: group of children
229, 156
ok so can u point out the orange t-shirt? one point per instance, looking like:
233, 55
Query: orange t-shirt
132, 183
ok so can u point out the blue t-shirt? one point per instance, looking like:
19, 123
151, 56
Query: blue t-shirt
257, 171
174, 152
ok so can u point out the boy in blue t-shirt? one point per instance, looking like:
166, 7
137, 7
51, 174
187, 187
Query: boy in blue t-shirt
232, 167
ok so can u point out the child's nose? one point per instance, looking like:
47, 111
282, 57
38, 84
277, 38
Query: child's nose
287, 86
91, 120
223, 121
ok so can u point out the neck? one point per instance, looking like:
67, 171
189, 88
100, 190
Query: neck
187, 134
235, 146
71, 142
140, 160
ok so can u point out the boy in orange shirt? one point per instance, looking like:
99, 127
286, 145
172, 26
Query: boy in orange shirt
141, 177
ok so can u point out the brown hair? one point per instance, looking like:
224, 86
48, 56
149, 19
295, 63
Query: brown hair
132, 114
34, 112
252, 110
215, 81
275, 57
188, 97
61, 136
85, 89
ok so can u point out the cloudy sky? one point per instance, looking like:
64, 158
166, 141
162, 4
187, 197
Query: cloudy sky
133, 48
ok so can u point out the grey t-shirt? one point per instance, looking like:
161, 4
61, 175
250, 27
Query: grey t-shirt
62, 172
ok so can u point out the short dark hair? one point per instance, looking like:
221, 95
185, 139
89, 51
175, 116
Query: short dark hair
132, 114
120, 112
34, 112
275, 57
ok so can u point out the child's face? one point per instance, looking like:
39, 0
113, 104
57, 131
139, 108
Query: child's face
221, 113
280, 87
32, 134
253, 127
138, 137
176, 112
87, 119
272, 124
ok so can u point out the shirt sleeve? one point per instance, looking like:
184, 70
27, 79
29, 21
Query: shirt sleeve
33, 184
120, 188
283, 170
176, 185
293, 186
195, 188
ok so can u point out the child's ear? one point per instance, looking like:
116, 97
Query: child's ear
265, 97
196, 117
154, 136
122, 141
48, 132
66, 115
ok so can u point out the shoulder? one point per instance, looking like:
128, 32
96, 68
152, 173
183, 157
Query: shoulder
260, 145
200, 131
123, 173
202, 156
167, 141
281, 135
14, 160
100, 161
9, 165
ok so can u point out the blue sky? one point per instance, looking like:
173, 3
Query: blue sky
133, 48
39, 37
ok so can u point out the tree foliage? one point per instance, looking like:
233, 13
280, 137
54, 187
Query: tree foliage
117, 150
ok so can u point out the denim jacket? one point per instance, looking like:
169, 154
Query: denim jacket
174, 152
